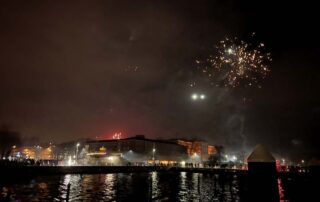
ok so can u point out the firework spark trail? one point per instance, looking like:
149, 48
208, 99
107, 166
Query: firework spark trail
236, 63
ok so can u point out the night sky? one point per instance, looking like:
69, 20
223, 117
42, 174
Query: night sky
74, 69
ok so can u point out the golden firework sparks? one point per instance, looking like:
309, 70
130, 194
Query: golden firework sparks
236, 63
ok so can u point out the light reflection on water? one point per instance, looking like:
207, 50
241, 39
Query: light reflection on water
109, 187
154, 186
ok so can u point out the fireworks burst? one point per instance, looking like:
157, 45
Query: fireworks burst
236, 63
116, 136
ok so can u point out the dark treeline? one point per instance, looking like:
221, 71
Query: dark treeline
8, 139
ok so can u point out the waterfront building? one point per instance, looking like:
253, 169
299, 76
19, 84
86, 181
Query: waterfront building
137, 149
36, 152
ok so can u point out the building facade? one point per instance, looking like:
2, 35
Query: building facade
136, 149
197, 150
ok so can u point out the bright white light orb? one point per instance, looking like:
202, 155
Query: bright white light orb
194, 96
230, 51
110, 158
234, 158
202, 96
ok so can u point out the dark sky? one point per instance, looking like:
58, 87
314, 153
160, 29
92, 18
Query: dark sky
71, 69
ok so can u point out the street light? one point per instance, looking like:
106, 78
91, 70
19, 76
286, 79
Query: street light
77, 150
153, 151
110, 158
234, 158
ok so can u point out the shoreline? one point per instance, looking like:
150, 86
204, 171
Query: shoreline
6, 171
108, 169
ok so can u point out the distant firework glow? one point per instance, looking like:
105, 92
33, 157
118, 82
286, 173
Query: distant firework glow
236, 63
117, 136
